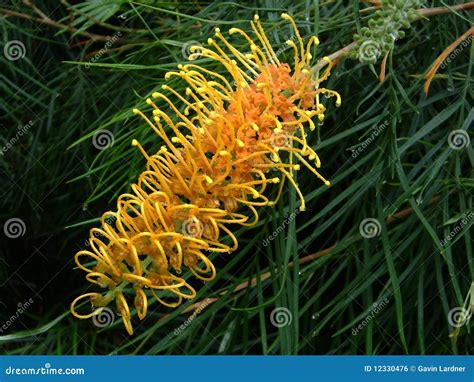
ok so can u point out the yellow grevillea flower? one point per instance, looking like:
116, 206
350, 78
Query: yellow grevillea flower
232, 137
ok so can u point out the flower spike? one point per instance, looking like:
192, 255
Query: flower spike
233, 137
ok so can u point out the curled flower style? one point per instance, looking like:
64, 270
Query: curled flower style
232, 137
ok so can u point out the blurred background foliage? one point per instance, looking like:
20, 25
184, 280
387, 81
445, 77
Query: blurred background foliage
87, 64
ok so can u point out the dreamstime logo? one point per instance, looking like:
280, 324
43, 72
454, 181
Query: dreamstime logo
14, 228
287, 220
283, 48
186, 323
465, 43
369, 228
22, 130
281, 140
109, 220
458, 139
458, 317
280, 317
465, 219
370, 51
45, 370
377, 308
104, 318
192, 227
191, 49
110, 42
366, 143
94, 235
22, 307
103, 139
14, 50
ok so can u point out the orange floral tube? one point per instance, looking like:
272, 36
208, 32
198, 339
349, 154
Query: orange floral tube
227, 140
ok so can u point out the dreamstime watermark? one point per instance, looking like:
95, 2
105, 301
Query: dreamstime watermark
287, 220
368, 141
103, 139
96, 234
21, 130
190, 319
283, 48
191, 49
459, 316
45, 370
22, 307
14, 50
14, 228
465, 219
370, 228
458, 139
280, 317
104, 318
370, 50
281, 139
377, 308
192, 227
457, 51
110, 42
